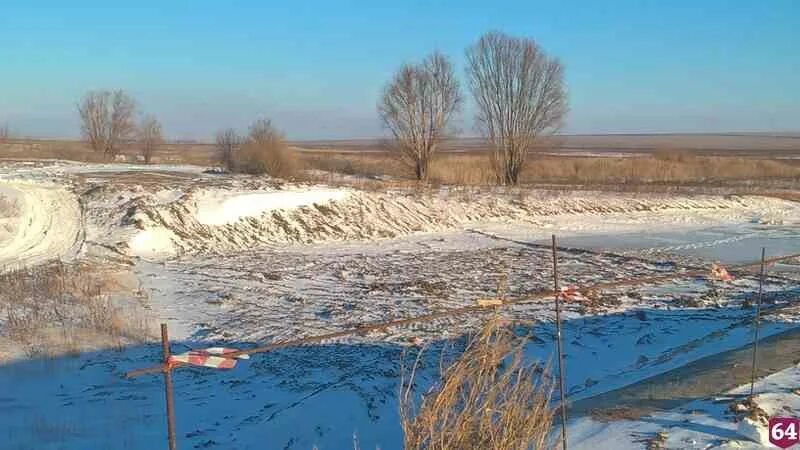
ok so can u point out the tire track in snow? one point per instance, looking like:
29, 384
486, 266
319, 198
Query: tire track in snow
48, 226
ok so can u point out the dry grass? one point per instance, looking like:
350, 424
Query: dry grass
661, 167
666, 167
8, 207
57, 308
487, 399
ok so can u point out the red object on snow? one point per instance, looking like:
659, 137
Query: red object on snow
720, 273
568, 292
214, 357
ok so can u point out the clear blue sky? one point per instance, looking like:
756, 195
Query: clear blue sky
317, 67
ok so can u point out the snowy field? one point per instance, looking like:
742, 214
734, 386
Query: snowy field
241, 261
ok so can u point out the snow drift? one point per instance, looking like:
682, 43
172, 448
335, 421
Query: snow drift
46, 226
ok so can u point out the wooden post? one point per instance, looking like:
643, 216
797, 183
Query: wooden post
562, 391
757, 320
168, 387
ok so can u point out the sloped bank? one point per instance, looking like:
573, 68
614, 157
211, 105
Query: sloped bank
243, 220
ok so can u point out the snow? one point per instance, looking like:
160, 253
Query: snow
47, 226
700, 424
753, 430
239, 261
152, 243
224, 207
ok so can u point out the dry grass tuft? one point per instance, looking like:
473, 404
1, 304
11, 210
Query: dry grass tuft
58, 308
488, 399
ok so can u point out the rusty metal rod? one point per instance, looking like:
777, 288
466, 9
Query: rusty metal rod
167, 368
757, 321
562, 392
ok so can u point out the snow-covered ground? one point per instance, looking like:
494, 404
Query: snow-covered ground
241, 261
47, 224
702, 424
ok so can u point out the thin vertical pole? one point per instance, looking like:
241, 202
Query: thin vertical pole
757, 320
562, 391
168, 387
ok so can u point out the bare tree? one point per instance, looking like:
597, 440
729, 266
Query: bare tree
417, 107
520, 95
107, 120
228, 142
150, 137
5, 134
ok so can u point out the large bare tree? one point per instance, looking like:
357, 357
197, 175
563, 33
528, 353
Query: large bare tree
520, 95
107, 120
150, 137
417, 106
228, 142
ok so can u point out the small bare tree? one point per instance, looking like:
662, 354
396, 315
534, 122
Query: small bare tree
418, 106
107, 120
228, 142
150, 137
520, 95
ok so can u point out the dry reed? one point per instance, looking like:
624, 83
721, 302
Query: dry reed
58, 308
488, 398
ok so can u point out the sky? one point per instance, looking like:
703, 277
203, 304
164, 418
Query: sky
317, 68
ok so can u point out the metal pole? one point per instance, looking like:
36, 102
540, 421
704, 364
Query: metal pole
168, 387
757, 319
561, 389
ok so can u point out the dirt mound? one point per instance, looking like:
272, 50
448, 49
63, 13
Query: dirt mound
176, 227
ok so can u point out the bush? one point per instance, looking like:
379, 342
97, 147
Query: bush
265, 152
487, 399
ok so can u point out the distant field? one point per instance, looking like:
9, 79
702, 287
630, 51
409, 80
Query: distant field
612, 160
745, 144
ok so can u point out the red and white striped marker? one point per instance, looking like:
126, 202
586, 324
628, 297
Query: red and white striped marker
214, 357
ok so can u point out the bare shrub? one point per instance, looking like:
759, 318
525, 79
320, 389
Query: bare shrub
150, 137
417, 107
519, 93
265, 152
59, 308
227, 144
107, 120
488, 399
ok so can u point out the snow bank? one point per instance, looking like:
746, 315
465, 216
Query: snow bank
220, 221
152, 243
223, 207
754, 431
48, 225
